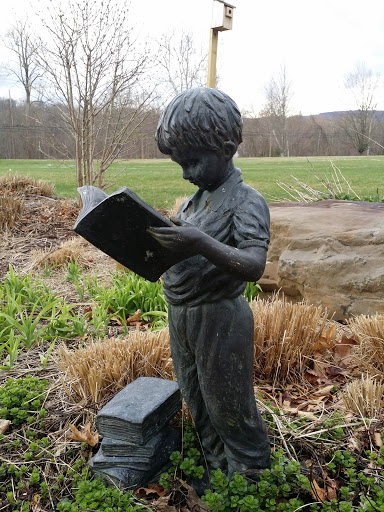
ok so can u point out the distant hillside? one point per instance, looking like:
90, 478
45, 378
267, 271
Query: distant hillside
340, 113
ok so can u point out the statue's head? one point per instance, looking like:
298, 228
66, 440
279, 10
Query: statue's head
200, 118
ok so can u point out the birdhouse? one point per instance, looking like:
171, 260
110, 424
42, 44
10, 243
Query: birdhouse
222, 15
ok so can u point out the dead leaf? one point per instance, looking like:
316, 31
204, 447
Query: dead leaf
35, 503
85, 436
151, 491
317, 492
342, 350
117, 320
4, 425
334, 370
317, 402
162, 505
316, 406
326, 391
354, 445
135, 318
320, 369
302, 414
348, 341
330, 333
377, 439
194, 503
88, 310
308, 415
312, 376
327, 341
331, 488
61, 449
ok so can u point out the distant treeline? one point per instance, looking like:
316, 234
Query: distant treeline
43, 134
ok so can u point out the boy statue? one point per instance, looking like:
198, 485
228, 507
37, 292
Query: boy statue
224, 228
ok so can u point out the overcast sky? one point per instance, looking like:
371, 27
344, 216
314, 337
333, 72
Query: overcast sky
318, 41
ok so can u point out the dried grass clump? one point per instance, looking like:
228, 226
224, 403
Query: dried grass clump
10, 211
71, 250
285, 335
369, 332
178, 202
106, 366
364, 397
25, 184
334, 187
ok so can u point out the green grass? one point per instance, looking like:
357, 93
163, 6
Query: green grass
159, 182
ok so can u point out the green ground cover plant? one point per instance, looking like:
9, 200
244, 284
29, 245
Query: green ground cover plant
96, 495
158, 181
31, 313
288, 485
35, 465
21, 399
37, 475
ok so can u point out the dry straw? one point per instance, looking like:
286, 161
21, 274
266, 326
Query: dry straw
10, 211
71, 250
334, 187
369, 332
106, 366
364, 397
176, 206
285, 336
25, 184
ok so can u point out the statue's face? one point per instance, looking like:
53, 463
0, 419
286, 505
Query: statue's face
205, 169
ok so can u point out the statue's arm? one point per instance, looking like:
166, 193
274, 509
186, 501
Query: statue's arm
246, 264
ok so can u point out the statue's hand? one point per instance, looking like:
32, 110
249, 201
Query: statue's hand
182, 238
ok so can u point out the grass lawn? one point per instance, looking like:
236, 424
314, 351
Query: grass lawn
159, 182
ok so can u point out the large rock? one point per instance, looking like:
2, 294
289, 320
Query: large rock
329, 253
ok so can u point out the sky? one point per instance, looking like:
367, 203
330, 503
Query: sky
318, 42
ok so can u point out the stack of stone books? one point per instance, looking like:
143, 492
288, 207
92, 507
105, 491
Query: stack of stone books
137, 439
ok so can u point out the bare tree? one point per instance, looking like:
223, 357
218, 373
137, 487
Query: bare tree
278, 93
23, 43
95, 68
359, 122
183, 65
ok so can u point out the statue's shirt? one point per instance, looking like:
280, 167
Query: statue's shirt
234, 214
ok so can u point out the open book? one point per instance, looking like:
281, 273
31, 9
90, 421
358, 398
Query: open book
117, 225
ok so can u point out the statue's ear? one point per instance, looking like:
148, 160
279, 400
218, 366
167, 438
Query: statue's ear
230, 149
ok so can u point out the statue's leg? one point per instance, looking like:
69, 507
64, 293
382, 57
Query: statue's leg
224, 358
186, 372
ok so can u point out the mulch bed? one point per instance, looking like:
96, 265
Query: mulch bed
45, 223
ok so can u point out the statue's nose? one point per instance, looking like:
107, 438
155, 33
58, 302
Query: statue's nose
187, 173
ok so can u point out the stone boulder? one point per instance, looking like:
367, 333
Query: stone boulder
329, 253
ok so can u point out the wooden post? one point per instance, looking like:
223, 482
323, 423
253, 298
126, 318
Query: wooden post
212, 57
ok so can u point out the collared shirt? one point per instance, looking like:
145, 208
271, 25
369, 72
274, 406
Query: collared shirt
234, 214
